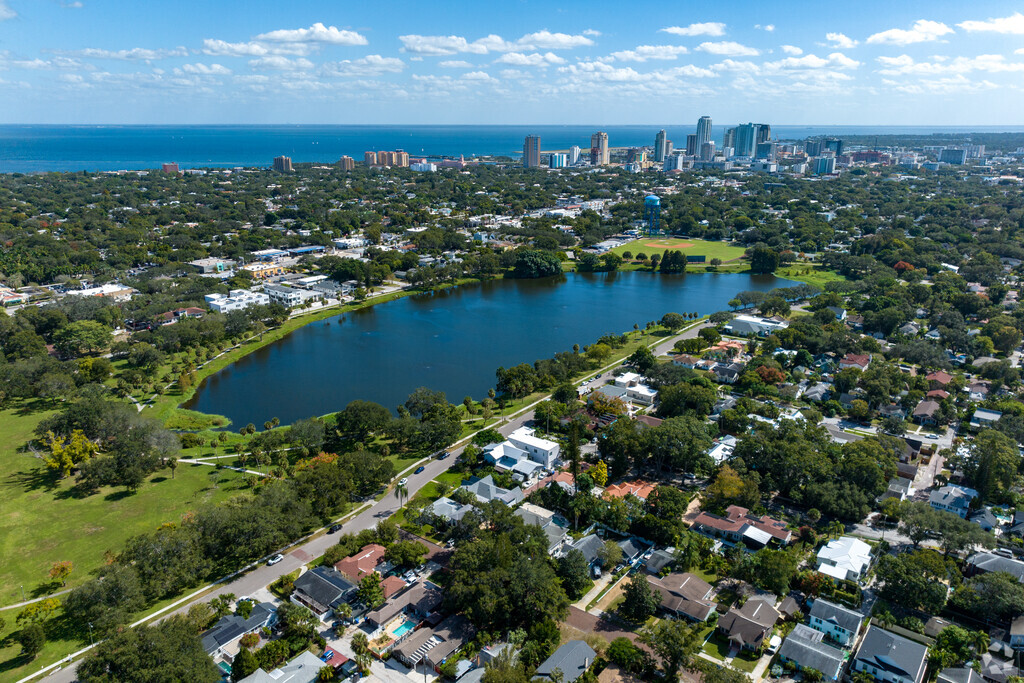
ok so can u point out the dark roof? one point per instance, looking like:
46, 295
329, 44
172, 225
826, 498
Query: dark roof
590, 546
990, 562
684, 593
658, 560
749, 624
962, 674
572, 659
805, 647
892, 653
790, 607
843, 617
631, 548
234, 626
423, 597
325, 585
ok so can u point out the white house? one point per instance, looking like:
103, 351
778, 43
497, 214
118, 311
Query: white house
891, 658
953, 498
290, 296
723, 448
522, 447
839, 623
745, 325
636, 390
846, 558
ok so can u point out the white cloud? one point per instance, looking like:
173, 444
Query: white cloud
923, 31
442, 46
71, 78
943, 86
370, 65
222, 48
836, 60
317, 33
279, 63
206, 69
6, 12
792, 50
72, 5
134, 54
710, 28
535, 59
591, 32
766, 27
642, 53
728, 48
904, 65
1013, 24
1019, 51
513, 74
477, 76
57, 63
840, 40
455, 64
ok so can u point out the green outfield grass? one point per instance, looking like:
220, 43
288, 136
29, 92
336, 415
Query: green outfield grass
693, 247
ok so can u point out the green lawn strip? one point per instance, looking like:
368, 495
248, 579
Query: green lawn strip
42, 521
649, 246
811, 274
718, 647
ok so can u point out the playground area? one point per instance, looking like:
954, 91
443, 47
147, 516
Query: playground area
659, 245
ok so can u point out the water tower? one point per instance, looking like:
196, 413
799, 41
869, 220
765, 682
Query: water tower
652, 214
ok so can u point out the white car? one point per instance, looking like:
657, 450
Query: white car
403, 481
275, 559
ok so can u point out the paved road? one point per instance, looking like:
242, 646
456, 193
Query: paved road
262, 575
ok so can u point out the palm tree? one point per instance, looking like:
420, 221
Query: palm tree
400, 491
836, 527
981, 642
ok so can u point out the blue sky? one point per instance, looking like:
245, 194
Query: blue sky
523, 62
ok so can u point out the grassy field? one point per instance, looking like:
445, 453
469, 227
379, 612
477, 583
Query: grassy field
812, 275
43, 521
659, 245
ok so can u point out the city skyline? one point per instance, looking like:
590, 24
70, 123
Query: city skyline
530, 63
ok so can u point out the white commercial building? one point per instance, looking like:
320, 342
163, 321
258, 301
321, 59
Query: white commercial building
290, 296
236, 300
744, 325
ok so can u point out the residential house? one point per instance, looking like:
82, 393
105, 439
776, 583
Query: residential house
685, 361
521, 445
933, 334
738, 525
631, 550
589, 545
725, 349
926, 412
727, 373
1017, 525
179, 313
960, 674
891, 658
748, 626
290, 297
978, 390
938, 379
644, 421
818, 393
636, 388
684, 594
893, 410
446, 510
486, 490
984, 417
229, 629
322, 589
363, 562
554, 527
804, 648
418, 602
983, 563
839, 313
937, 394
572, 660
855, 322
840, 624
750, 325
900, 488
910, 329
857, 361
953, 498
845, 558
723, 448
639, 488
305, 668
659, 559
984, 518
434, 645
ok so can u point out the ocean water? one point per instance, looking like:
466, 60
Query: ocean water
35, 148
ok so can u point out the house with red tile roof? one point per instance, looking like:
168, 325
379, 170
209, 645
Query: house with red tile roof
938, 379
639, 488
363, 562
740, 526
860, 361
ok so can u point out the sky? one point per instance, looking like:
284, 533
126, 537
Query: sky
511, 62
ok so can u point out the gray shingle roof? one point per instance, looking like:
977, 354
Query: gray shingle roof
573, 659
843, 617
804, 647
895, 654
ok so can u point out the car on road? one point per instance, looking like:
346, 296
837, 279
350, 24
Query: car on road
275, 559
444, 454
419, 469
403, 481
335, 528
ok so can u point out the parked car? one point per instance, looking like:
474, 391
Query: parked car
275, 559
419, 469
335, 528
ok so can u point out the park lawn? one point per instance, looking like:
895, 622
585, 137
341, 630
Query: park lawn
659, 245
42, 521
811, 274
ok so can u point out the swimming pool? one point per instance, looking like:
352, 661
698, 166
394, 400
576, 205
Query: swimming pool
403, 628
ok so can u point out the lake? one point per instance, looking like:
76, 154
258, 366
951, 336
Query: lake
452, 340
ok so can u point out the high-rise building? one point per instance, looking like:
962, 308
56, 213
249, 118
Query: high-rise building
834, 144
660, 149
745, 139
283, 164
531, 151
822, 165
707, 151
956, 156
599, 154
703, 131
370, 158
691, 145
764, 132
668, 147
765, 150
169, 168
401, 158
346, 163
574, 155
558, 160
729, 138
